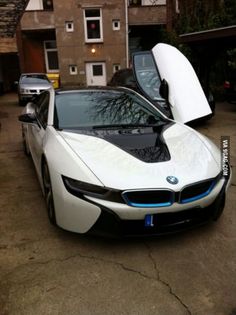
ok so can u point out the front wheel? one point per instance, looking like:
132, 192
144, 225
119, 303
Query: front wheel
48, 194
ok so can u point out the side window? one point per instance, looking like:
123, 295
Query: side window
51, 57
93, 25
42, 104
147, 75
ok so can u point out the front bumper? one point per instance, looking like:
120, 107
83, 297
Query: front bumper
97, 216
27, 97
109, 224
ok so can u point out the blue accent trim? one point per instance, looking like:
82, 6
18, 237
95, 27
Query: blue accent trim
150, 205
199, 196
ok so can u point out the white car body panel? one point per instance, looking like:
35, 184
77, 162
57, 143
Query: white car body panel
186, 97
120, 170
94, 160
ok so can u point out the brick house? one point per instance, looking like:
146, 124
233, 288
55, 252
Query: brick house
87, 42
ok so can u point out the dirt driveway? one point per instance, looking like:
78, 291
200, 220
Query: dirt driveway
45, 270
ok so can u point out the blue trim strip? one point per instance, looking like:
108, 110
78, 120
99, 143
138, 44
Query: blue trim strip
199, 196
150, 205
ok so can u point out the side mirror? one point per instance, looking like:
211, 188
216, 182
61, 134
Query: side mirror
164, 89
27, 118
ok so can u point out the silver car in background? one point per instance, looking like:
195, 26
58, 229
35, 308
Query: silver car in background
30, 84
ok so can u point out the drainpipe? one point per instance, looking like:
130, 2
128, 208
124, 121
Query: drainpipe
127, 33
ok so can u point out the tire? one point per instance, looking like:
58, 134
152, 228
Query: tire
48, 194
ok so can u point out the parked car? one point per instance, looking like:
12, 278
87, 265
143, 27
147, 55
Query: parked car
152, 75
110, 162
31, 84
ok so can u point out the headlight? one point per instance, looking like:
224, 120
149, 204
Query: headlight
81, 189
24, 91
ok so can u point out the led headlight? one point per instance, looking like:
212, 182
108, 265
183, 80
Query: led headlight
81, 189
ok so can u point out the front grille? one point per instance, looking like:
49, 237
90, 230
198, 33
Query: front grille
164, 198
33, 91
197, 191
149, 198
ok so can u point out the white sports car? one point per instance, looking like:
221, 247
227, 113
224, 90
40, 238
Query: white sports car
109, 162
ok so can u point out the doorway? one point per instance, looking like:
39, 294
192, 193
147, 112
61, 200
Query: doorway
96, 73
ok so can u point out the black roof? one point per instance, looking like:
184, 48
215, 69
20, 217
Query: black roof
215, 37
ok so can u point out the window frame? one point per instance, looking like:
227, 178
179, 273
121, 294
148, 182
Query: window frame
69, 26
46, 50
96, 18
114, 27
42, 103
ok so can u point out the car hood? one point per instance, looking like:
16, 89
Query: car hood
43, 86
190, 160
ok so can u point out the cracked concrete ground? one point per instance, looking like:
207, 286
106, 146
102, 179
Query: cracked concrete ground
45, 270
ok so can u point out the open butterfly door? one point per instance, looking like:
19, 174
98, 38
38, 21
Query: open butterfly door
166, 78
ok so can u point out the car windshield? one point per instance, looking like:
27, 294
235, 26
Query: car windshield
34, 79
104, 109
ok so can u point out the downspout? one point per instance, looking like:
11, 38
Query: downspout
127, 34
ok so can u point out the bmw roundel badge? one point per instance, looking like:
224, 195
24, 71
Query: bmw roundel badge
172, 180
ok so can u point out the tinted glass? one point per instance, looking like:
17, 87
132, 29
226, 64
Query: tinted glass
102, 108
42, 104
147, 75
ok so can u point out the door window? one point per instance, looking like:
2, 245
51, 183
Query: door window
96, 73
147, 76
42, 104
97, 70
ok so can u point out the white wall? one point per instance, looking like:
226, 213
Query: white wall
153, 2
34, 5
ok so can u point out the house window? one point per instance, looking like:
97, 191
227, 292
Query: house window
135, 2
116, 67
51, 57
147, 2
73, 69
69, 26
116, 25
93, 25
48, 5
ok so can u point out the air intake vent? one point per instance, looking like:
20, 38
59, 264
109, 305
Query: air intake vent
149, 198
197, 191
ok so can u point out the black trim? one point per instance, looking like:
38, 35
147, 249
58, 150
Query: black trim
140, 197
109, 224
144, 143
82, 189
